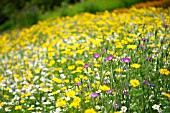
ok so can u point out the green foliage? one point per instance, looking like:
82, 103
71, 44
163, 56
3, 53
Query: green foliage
27, 17
23, 13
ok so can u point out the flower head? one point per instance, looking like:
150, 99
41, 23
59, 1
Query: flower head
125, 92
18, 107
96, 55
135, 66
165, 25
110, 91
166, 94
104, 50
110, 57
90, 111
94, 95
104, 88
123, 109
144, 39
155, 107
134, 82
145, 82
131, 46
126, 60
152, 85
86, 65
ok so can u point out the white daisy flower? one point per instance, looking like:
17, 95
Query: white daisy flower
156, 107
123, 109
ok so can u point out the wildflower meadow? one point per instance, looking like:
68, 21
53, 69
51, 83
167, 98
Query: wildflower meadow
108, 62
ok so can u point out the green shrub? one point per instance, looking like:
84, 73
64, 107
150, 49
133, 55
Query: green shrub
27, 17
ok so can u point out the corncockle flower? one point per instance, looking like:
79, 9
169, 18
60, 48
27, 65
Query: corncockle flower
86, 65
144, 49
110, 91
115, 106
163, 41
141, 46
146, 82
126, 60
144, 39
94, 95
110, 57
96, 55
68, 58
78, 84
104, 50
165, 25
150, 59
147, 59
125, 92
105, 81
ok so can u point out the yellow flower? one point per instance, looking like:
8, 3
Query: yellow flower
37, 70
131, 46
118, 70
60, 102
18, 107
75, 102
166, 94
79, 62
1, 104
164, 71
52, 62
63, 60
66, 81
54, 92
119, 46
30, 109
22, 101
134, 82
135, 65
90, 111
45, 60
104, 88
1, 78
70, 93
71, 67
117, 112
59, 81
77, 99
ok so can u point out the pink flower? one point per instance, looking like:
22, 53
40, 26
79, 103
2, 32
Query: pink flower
94, 95
96, 55
86, 65
126, 60
110, 91
110, 57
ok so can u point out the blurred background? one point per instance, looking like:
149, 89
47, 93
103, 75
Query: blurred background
24, 13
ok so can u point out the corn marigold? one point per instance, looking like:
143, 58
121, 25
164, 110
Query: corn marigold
134, 82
